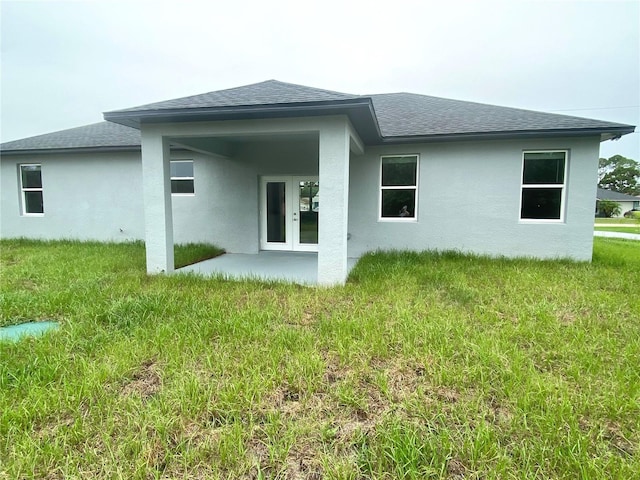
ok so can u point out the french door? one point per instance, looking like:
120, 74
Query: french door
289, 208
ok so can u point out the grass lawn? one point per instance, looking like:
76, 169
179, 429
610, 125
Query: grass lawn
424, 365
624, 229
616, 220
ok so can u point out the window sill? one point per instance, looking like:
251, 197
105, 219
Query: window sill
541, 221
32, 215
183, 194
397, 220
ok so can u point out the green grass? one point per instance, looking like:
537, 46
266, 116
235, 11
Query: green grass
425, 365
190, 253
616, 220
625, 229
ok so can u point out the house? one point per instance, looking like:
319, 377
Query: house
396, 172
626, 202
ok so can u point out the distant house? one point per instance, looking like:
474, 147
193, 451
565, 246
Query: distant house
626, 202
395, 170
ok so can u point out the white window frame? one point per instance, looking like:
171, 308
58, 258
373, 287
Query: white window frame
192, 178
562, 187
24, 189
413, 219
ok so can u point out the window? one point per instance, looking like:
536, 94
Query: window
182, 177
543, 185
399, 187
31, 186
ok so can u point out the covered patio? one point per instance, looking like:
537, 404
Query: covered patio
294, 267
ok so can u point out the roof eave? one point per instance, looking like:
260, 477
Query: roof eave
360, 111
604, 133
98, 149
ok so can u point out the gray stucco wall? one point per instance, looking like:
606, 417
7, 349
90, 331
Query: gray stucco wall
98, 196
87, 196
469, 201
468, 197
235, 208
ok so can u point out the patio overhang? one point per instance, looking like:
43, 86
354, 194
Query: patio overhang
360, 113
334, 137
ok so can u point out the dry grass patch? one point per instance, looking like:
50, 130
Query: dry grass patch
145, 382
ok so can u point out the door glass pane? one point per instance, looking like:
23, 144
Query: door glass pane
276, 210
309, 208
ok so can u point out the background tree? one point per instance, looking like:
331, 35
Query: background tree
619, 174
609, 208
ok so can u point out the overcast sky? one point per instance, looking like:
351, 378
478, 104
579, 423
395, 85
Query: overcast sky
64, 63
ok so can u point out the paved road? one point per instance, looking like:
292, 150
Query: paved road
628, 236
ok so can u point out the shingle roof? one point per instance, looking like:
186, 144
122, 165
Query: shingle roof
269, 92
379, 118
97, 135
604, 194
409, 114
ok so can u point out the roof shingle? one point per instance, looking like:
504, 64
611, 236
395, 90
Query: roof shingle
604, 194
269, 92
400, 117
96, 135
410, 114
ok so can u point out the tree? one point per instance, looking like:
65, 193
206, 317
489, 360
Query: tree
619, 174
609, 208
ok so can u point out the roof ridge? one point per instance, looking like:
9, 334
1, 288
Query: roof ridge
312, 88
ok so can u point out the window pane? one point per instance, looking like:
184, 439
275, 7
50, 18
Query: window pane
399, 171
181, 186
399, 203
31, 176
541, 203
182, 169
546, 167
33, 202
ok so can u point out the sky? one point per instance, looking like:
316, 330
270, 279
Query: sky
64, 63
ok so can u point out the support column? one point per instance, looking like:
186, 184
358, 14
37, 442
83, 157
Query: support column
158, 217
334, 202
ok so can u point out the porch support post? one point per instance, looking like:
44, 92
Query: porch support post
334, 194
158, 218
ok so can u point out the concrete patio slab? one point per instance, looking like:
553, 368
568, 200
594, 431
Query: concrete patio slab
294, 267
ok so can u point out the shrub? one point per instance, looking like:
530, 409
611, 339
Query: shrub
609, 208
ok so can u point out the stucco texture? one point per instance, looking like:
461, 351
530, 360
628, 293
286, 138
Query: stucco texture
468, 194
469, 200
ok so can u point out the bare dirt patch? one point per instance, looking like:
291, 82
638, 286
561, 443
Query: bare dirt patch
616, 438
145, 383
456, 469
